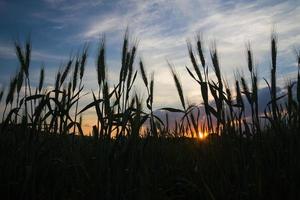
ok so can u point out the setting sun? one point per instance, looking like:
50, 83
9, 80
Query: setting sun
202, 135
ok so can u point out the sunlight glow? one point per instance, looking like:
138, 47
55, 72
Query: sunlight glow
202, 135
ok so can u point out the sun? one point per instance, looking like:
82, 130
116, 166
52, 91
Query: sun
202, 135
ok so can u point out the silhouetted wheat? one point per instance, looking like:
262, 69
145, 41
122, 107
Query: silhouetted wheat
243, 160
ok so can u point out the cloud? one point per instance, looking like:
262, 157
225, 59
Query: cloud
75, 5
108, 24
8, 52
162, 28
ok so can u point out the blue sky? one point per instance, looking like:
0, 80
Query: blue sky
59, 28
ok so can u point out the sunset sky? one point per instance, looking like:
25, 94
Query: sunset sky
60, 28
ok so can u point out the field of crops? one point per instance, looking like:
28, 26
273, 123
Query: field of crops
132, 152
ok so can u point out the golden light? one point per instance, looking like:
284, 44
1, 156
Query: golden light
202, 135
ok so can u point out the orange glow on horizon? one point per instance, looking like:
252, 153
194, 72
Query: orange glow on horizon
202, 135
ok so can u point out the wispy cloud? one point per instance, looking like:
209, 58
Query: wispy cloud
8, 52
108, 24
164, 26
75, 5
